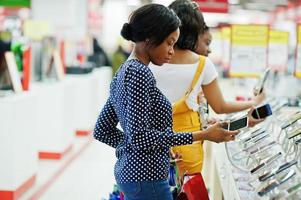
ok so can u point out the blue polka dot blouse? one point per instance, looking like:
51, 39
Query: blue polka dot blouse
145, 115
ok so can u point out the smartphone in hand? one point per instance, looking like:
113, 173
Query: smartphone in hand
236, 124
261, 82
262, 111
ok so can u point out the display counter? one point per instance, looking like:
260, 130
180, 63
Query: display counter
41, 124
264, 162
101, 88
55, 105
91, 92
18, 144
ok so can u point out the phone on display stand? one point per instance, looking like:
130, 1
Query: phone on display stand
260, 84
236, 124
262, 111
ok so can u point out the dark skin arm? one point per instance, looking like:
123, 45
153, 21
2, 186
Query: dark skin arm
216, 100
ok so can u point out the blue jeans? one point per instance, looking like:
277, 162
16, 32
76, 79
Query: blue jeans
146, 190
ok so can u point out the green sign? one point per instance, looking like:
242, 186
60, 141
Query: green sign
15, 3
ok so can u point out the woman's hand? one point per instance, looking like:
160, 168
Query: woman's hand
175, 157
252, 120
259, 98
215, 133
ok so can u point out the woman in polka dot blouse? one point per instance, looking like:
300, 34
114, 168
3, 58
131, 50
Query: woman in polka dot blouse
144, 113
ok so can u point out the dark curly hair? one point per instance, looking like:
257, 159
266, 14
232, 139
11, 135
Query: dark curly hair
152, 21
192, 23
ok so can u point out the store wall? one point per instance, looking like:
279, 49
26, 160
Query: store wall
115, 15
67, 18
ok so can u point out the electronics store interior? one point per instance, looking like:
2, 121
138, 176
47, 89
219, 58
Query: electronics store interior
90, 109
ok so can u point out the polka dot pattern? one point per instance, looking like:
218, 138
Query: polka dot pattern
144, 113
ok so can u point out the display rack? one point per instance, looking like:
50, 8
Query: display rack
264, 161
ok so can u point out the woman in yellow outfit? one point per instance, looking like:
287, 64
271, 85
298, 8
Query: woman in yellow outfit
182, 80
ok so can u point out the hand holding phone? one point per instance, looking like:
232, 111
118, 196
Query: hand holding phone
259, 98
216, 133
260, 84
262, 112
236, 124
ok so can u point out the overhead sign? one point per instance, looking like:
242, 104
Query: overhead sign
278, 50
214, 6
249, 50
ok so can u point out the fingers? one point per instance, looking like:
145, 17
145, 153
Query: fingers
231, 134
227, 138
172, 154
251, 110
176, 157
257, 121
215, 127
219, 134
253, 121
175, 160
260, 120
216, 124
230, 138
224, 125
234, 132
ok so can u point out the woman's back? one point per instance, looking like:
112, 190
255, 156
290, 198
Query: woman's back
174, 79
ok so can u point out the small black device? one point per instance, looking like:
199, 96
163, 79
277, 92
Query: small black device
266, 162
276, 170
277, 182
236, 124
262, 111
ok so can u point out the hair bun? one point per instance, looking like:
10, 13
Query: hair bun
126, 31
